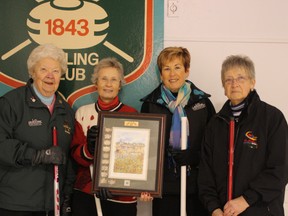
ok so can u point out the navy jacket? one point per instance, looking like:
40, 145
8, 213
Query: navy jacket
260, 159
199, 110
26, 126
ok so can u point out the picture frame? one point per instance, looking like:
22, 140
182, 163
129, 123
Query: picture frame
129, 153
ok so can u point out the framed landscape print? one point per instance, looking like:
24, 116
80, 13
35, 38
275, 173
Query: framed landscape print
129, 153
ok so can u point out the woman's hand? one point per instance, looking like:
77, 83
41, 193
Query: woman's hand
146, 197
235, 206
217, 212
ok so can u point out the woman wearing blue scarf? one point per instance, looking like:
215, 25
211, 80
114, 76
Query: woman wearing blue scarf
177, 97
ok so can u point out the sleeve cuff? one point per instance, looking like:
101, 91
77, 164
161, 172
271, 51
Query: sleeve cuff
251, 197
28, 156
86, 153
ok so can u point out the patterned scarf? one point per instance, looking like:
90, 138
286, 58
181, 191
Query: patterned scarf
237, 110
176, 106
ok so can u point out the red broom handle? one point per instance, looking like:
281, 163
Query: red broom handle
231, 157
56, 179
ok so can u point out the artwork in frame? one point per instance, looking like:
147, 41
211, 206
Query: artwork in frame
129, 153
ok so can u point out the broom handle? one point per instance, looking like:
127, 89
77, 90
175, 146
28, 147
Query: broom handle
56, 179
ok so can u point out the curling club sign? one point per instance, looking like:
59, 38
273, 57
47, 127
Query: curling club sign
87, 31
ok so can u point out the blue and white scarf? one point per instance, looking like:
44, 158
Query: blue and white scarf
176, 106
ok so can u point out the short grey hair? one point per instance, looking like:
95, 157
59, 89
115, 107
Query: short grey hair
108, 62
47, 51
238, 61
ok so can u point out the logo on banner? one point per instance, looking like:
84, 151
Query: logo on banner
86, 30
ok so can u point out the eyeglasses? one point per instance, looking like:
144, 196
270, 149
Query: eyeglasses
105, 80
239, 80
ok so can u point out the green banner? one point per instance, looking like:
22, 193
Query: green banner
131, 31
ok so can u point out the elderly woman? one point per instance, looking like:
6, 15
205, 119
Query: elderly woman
260, 164
27, 116
177, 97
108, 78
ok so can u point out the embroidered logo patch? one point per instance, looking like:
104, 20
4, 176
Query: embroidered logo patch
67, 128
35, 123
198, 106
250, 140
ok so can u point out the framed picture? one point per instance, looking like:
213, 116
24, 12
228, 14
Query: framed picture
129, 153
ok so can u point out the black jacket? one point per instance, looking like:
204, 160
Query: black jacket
199, 110
260, 159
26, 126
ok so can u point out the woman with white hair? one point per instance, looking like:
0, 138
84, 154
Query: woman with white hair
108, 78
27, 116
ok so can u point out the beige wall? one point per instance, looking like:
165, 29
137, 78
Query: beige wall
212, 30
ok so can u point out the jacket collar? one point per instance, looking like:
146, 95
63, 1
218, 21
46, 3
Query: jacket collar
252, 99
34, 101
